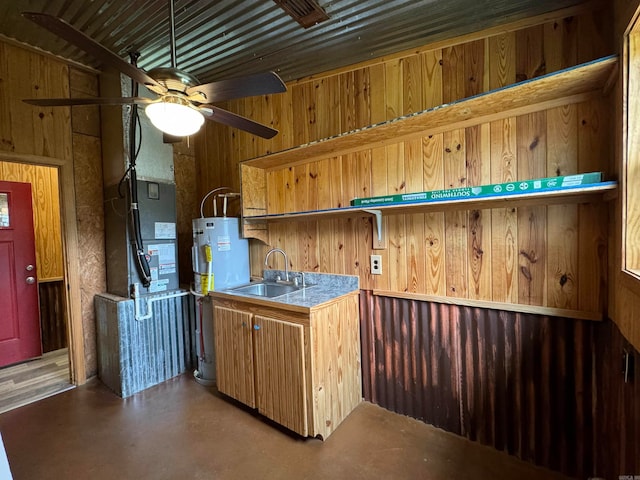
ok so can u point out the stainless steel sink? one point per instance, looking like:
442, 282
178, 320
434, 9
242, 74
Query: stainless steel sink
269, 290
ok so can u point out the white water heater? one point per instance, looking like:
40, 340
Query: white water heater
220, 256
220, 260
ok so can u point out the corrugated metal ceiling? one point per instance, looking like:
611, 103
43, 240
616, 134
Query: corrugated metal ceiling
225, 39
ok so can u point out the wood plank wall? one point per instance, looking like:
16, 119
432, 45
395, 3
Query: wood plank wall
548, 390
25, 74
187, 205
53, 316
23, 129
39, 134
546, 256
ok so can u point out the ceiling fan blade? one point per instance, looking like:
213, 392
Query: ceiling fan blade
227, 118
63, 102
69, 33
248, 86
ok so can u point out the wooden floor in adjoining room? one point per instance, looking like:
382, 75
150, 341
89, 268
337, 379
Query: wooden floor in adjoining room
34, 380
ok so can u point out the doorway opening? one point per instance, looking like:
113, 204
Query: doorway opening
62, 366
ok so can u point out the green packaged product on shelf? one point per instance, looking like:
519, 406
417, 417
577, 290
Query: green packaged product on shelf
492, 190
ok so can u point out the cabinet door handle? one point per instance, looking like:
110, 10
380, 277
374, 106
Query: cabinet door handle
256, 327
244, 324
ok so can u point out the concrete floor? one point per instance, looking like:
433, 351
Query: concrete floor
182, 430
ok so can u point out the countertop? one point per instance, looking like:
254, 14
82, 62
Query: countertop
321, 288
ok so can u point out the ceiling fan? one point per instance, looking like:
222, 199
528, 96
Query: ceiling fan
182, 103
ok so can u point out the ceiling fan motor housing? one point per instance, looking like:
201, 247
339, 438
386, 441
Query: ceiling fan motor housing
172, 79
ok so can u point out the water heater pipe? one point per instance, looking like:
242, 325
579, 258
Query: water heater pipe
137, 299
225, 197
207, 196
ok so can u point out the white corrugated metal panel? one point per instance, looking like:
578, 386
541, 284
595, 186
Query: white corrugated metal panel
137, 354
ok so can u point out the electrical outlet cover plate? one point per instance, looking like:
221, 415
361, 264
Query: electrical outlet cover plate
376, 264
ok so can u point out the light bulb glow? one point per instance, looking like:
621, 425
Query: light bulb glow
175, 116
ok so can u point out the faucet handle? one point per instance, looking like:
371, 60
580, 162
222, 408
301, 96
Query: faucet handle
299, 281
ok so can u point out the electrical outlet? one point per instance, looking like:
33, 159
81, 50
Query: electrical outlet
376, 264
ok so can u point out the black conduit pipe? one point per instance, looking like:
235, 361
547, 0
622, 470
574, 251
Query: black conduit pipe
142, 265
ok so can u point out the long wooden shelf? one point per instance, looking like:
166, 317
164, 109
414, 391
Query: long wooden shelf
564, 87
595, 192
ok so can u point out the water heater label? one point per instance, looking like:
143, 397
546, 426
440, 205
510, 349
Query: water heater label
206, 283
224, 243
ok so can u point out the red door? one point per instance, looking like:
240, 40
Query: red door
19, 308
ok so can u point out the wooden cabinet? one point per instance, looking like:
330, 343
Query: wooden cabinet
299, 367
234, 354
280, 372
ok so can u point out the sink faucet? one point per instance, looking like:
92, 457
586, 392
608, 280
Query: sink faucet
286, 261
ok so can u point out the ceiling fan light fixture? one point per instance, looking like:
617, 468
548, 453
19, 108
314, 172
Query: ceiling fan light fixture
175, 116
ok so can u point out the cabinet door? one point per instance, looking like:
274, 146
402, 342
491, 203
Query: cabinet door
234, 354
280, 372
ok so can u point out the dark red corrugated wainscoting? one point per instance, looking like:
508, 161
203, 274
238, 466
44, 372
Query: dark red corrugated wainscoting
548, 390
